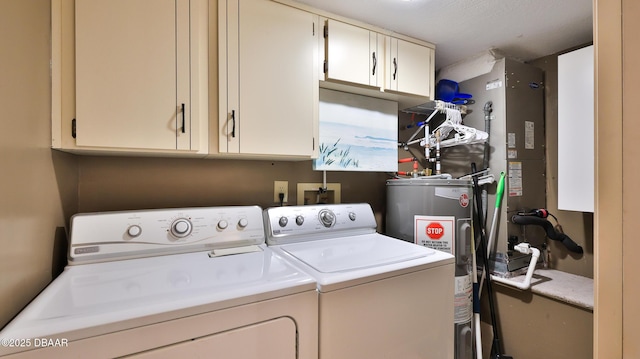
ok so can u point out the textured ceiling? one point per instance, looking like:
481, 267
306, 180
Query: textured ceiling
461, 29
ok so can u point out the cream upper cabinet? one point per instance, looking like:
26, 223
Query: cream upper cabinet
409, 68
137, 75
575, 130
268, 79
353, 54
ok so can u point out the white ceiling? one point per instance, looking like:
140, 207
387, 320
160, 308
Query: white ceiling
462, 29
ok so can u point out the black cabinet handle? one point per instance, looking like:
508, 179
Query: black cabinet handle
182, 118
395, 68
375, 62
233, 126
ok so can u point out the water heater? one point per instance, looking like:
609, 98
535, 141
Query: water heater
436, 213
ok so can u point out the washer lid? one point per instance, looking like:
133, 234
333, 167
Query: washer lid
93, 299
342, 262
356, 252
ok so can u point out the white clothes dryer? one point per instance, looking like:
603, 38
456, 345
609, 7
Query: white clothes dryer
379, 297
172, 283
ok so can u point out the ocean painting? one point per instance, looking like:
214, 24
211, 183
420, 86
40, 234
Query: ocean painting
357, 133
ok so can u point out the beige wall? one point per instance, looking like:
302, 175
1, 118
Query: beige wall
616, 325
609, 232
32, 180
617, 285
120, 183
631, 179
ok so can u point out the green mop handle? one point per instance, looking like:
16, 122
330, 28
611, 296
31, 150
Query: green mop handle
500, 190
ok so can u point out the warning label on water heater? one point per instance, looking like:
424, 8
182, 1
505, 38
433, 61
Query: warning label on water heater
436, 232
463, 299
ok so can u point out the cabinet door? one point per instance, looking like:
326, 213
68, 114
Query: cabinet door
268, 79
352, 54
575, 130
132, 74
410, 68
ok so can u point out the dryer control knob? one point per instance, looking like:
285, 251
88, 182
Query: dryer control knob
352, 216
222, 224
283, 221
243, 222
327, 218
134, 231
299, 220
181, 228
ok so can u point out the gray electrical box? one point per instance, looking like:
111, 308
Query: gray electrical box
517, 145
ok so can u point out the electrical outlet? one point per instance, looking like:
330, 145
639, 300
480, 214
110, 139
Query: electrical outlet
280, 187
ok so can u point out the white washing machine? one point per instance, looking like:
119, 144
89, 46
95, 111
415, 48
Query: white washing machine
193, 282
379, 297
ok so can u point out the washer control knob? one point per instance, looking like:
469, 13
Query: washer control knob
327, 218
222, 224
243, 222
134, 230
299, 220
283, 221
352, 216
181, 228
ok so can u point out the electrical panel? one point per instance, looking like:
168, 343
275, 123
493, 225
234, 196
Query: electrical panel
509, 105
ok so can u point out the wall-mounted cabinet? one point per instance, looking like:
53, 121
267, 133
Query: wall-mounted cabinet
410, 68
227, 77
364, 60
268, 79
353, 55
576, 152
128, 79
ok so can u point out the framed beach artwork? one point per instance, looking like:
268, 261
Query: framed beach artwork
357, 133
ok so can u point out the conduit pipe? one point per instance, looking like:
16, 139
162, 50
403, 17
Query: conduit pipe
523, 248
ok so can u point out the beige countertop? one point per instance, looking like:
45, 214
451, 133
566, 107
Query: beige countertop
562, 286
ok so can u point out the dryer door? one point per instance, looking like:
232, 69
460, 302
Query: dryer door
275, 338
